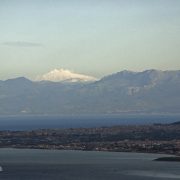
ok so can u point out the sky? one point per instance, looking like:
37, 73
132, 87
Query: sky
88, 36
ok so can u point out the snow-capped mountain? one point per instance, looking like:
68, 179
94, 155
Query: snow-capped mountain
59, 75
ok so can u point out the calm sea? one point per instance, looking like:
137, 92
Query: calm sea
36, 122
77, 165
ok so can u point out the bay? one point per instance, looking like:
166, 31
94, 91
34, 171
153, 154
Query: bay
33, 164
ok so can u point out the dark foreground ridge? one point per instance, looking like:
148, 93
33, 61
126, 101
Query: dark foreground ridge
156, 138
176, 159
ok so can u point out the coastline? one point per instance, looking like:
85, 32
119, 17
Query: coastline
169, 159
164, 155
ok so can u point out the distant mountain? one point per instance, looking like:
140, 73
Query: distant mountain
59, 75
150, 91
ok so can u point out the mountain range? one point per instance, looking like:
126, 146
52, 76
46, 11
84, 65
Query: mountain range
150, 91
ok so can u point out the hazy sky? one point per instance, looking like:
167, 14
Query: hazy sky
94, 37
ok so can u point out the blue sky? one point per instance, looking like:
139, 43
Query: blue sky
88, 36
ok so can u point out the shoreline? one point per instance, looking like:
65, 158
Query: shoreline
165, 155
168, 159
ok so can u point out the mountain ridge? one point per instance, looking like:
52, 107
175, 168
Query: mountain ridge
149, 91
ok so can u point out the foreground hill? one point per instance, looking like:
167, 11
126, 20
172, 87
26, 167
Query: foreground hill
149, 91
176, 123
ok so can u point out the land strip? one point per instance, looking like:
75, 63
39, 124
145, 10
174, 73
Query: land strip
156, 138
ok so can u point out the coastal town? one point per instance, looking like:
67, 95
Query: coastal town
157, 138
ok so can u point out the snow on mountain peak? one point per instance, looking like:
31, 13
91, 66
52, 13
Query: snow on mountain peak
57, 75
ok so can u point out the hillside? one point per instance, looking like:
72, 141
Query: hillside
150, 91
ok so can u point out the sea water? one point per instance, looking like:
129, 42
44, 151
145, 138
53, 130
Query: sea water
76, 121
28, 164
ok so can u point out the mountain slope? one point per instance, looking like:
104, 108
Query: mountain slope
149, 91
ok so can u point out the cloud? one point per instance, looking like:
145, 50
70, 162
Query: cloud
21, 44
57, 75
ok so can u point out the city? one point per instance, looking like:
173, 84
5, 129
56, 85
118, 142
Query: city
157, 138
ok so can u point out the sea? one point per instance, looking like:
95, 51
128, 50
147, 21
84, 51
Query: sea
31, 164
76, 121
